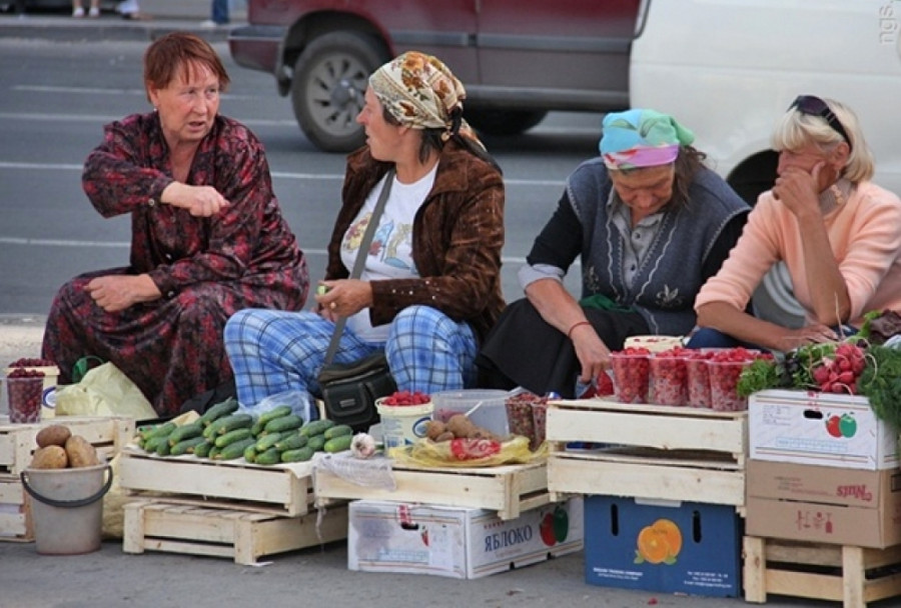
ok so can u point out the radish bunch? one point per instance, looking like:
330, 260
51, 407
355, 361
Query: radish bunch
838, 373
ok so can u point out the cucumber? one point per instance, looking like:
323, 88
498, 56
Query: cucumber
151, 443
267, 441
338, 444
219, 410
162, 430
235, 449
186, 446
250, 453
233, 436
317, 442
162, 446
299, 455
270, 456
203, 450
284, 423
276, 412
337, 431
256, 428
292, 442
232, 422
213, 454
185, 431
316, 427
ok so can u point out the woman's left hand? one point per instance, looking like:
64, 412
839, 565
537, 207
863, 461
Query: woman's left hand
113, 293
345, 297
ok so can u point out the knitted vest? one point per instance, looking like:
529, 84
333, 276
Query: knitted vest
669, 277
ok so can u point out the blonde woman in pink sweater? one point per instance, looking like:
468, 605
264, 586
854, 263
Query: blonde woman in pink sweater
838, 234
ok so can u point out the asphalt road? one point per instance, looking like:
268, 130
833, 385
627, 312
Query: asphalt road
57, 95
54, 98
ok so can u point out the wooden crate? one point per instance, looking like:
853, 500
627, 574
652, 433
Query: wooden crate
17, 441
653, 451
282, 489
508, 489
15, 511
242, 535
851, 575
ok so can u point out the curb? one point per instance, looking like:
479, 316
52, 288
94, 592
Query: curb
114, 29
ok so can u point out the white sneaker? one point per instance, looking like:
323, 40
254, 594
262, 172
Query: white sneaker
78, 12
94, 12
208, 24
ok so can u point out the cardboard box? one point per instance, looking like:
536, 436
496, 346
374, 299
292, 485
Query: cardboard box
824, 504
676, 547
457, 542
821, 429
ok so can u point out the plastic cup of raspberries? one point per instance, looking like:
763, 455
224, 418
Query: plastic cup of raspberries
698, 378
631, 374
724, 368
24, 390
668, 377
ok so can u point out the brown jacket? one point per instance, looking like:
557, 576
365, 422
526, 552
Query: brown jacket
458, 234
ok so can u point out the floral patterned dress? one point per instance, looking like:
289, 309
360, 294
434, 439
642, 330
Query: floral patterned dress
206, 268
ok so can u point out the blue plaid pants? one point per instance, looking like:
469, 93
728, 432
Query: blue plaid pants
274, 351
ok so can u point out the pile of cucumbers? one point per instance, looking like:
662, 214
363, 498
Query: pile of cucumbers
224, 433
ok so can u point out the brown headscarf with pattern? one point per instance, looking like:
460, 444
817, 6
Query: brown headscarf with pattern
420, 92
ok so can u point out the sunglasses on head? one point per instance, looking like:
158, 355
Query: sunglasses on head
814, 106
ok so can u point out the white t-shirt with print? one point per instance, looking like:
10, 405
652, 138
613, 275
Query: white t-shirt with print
390, 254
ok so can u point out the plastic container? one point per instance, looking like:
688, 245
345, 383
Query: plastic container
491, 413
67, 509
698, 380
403, 424
520, 418
723, 381
24, 396
669, 384
539, 422
48, 395
631, 377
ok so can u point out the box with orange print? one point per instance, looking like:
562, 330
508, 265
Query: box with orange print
664, 546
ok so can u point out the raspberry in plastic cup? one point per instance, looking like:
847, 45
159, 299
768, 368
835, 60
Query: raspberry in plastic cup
539, 423
25, 398
631, 376
723, 382
669, 384
698, 379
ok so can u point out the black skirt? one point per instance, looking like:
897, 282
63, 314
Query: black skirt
522, 349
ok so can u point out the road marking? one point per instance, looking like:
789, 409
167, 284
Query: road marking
8, 240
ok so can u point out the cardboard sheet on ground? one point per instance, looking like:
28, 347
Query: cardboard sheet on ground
104, 391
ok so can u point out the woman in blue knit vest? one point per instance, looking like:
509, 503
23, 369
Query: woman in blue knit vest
650, 224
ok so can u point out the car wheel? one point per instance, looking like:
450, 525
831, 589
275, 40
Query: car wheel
503, 122
330, 79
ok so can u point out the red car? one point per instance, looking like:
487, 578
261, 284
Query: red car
517, 58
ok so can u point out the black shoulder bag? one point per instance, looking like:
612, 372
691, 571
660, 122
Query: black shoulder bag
349, 391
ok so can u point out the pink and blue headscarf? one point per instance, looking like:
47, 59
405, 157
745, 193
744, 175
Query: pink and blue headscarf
641, 138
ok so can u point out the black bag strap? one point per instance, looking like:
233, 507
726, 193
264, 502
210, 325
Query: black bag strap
361, 258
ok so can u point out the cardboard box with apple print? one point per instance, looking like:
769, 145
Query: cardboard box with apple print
457, 542
666, 546
824, 429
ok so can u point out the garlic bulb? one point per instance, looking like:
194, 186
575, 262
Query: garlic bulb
362, 445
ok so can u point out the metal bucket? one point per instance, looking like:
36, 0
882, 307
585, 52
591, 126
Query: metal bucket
67, 509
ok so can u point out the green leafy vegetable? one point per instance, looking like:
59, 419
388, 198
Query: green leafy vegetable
880, 382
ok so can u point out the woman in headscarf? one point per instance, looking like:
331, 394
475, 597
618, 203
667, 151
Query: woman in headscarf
650, 224
838, 233
431, 286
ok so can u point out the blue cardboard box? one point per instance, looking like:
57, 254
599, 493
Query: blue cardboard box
664, 546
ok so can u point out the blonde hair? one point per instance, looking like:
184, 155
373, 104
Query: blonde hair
796, 129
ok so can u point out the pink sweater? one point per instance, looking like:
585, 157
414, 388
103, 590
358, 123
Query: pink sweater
865, 233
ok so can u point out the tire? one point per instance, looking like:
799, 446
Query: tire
330, 80
503, 122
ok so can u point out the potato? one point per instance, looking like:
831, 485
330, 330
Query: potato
460, 426
50, 457
55, 434
445, 436
434, 428
81, 453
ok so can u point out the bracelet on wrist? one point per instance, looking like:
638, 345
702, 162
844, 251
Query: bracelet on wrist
569, 334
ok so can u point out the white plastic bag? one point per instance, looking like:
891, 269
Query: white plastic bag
104, 391
299, 401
